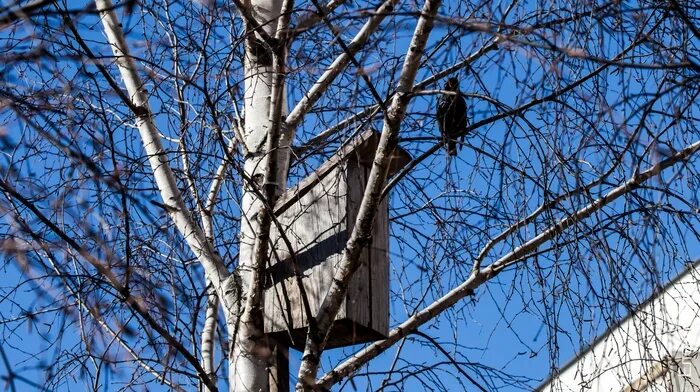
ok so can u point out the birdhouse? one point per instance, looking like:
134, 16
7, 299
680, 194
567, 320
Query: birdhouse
317, 217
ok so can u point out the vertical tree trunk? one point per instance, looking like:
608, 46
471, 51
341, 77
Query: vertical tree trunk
250, 356
209, 335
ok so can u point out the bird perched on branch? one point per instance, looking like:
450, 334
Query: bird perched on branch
452, 116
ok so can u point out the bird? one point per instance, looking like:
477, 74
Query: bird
452, 115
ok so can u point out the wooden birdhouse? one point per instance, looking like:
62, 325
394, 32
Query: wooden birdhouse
318, 216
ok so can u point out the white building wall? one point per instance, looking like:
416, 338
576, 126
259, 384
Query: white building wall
654, 350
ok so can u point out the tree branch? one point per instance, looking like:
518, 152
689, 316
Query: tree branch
134, 302
157, 157
209, 335
372, 110
514, 112
339, 64
360, 236
485, 274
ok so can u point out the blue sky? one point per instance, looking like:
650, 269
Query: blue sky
504, 326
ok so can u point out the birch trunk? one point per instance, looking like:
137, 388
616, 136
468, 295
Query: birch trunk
250, 356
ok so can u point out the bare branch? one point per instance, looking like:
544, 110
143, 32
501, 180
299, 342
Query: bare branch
485, 274
339, 64
370, 201
157, 156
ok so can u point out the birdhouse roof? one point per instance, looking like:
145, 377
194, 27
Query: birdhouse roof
362, 147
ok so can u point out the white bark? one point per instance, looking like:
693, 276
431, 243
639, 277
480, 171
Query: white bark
157, 156
339, 64
368, 208
203, 249
266, 168
212, 307
209, 336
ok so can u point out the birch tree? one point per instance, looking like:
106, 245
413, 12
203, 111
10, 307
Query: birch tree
145, 144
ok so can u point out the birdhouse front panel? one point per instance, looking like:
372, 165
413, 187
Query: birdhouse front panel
317, 228
317, 217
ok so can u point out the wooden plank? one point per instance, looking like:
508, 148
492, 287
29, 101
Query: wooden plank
316, 227
279, 368
379, 271
362, 146
317, 216
358, 295
349, 149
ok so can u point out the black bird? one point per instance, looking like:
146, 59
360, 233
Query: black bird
452, 115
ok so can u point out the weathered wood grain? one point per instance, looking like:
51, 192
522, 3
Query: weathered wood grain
317, 217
